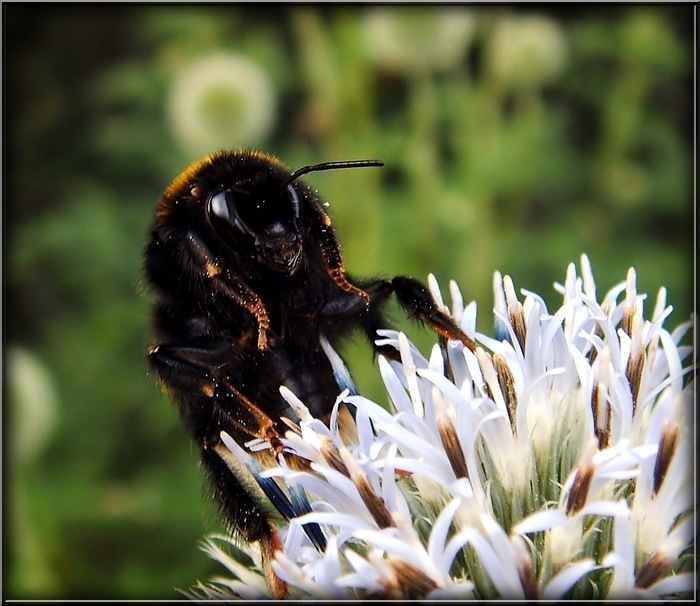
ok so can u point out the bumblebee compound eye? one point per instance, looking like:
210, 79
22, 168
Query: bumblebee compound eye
224, 215
218, 205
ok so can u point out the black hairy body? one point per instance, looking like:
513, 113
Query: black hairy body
249, 279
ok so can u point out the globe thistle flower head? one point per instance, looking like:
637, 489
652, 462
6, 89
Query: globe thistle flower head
526, 51
418, 38
220, 98
551, 461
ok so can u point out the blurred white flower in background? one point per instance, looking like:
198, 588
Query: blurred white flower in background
30, 412
33, 403
406, 38
554, 461
526, 51
219, 101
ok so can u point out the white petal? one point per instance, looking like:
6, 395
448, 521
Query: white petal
340, 371
446, 387
463, 590
541, 520
417, 466
365, 429
680, 537
411, 443
612, 559
409, 368
614, 509
457, 301
462, 487
301, 447
587, 274
624, 548
501, 570
340, 493
438, 535
372, 409
467, 321
677, 583
680, 331
454, 546
360, 580
294, 575
570, 290
499, 294
393, 385
458, 365
328, 569
295, 537
296, 404
434, 289
675, 368
347, 522
534, 299
436, 362
495, 345
383, 540
246, 575
233, 446
498, 538
392, 495
566, 578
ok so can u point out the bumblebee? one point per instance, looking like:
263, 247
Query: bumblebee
249, 283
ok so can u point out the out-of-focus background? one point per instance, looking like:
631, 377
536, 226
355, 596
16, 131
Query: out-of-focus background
515, 139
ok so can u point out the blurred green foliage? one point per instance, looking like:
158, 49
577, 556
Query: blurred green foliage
514, 141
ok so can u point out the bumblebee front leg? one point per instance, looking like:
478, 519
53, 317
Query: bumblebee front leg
222, 282
413, 296
322, 228
416, 300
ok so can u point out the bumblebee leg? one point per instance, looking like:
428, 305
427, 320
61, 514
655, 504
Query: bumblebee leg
379, 291
416, 300
233, 489
223, 282
323, 230
208, 406
209, 403
345, 306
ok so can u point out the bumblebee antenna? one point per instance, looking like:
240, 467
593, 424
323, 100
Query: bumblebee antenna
313, 168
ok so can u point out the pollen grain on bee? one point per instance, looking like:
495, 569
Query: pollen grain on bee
212, 269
